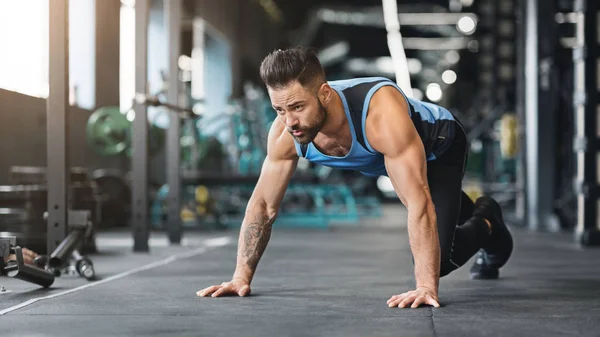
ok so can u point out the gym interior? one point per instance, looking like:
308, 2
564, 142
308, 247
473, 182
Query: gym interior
133, 133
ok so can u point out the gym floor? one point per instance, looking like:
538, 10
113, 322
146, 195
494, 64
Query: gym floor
309, 283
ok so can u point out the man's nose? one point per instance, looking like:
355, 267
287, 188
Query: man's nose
291, 121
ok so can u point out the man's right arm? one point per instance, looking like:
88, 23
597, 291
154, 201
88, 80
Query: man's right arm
263, 205
261, 211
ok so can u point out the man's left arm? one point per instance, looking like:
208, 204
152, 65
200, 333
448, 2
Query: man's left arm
391, 132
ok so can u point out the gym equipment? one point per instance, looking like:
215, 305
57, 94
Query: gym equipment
184, 113
36, 175
83, 194
83, 266
108, 132
198, 210
21, 271
18, 269
304, 205
115, 197
508, 136
21, 214
66, 256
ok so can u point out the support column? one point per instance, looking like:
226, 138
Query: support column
107, 52
520, 99
173, 16
139, 163
587, 142
540, 112
56, 122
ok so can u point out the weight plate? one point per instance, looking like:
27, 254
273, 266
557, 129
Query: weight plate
108, 131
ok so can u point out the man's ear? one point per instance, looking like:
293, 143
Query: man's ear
325, 93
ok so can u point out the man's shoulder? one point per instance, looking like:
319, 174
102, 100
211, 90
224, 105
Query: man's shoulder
352, 82
280, 143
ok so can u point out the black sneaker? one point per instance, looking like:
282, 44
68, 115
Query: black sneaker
480, 270
498, 248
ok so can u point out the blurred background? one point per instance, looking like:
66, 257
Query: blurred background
510, 70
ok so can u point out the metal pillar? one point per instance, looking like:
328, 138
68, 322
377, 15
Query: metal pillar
56, 122
139, 163
587, 144
520, 99
173, 16
540, 112
504, 53
487, 56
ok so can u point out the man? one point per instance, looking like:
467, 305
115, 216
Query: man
369, 125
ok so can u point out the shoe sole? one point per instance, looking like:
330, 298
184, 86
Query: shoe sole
491, 274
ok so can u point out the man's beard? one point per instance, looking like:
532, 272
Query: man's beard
310, 132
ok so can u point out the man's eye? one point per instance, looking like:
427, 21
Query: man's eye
298, 107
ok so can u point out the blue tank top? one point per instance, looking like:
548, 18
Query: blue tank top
435, 125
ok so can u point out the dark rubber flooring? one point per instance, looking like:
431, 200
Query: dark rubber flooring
310, 283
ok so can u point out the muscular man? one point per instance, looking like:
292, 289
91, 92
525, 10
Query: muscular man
369, 125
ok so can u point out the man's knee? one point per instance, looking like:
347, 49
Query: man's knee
447, 266
446, 263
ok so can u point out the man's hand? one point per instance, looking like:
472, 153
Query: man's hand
28, 256
237, 286
416, 297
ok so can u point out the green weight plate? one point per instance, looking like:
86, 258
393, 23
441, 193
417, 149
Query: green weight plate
108, 131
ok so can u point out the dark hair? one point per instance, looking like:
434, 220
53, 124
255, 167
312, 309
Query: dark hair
300, 64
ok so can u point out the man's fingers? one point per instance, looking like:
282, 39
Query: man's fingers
418, 301
432, 301
406, 301
219, 292
395, 300
207, 291
398, 298
394, 303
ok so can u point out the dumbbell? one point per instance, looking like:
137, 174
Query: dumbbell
19, 270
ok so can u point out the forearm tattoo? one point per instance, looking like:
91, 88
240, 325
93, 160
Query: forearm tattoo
256, 237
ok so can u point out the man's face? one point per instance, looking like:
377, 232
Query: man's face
300, 110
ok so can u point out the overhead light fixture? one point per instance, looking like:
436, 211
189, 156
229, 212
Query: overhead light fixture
449, 76
452, 57
434, 92
466, 25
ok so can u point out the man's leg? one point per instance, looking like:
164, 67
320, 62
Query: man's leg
452, 206
466, 228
